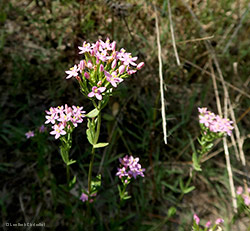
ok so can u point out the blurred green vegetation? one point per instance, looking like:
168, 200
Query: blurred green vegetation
38, 42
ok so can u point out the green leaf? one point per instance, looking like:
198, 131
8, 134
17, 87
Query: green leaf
196, 164
71, 162
72, 182
127, 197
100, 145
64, 154
171, 211
93, 113
187, 190
89, 136
182, 185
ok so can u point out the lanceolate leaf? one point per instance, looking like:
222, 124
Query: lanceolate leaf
100, 145
93, 113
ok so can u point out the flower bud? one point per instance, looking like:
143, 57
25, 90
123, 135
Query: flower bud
140, 65
130, 72
113, 65
121, 69
86, 75
99, 83
113, 45
81, 65
89, 65
101, 68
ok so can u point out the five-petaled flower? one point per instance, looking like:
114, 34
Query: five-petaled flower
58, 130
97, 92
29, 134
72, 72
112, 78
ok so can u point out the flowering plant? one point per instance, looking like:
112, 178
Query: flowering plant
208, 226
101, 70
129, 168
212, 127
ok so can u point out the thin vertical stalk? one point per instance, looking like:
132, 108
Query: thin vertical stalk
97, 133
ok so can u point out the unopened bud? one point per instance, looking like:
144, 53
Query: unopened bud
81, 65
121, 69
89, 65
140, 65
101, 68
86, 75
130, 72
113, 65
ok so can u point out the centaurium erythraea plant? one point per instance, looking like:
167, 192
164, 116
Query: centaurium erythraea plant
101, 69
129, 168
212, 127
63, 120
208, 226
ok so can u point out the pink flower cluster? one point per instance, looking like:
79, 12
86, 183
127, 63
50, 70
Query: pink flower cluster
102, 67
130, 167
62, 117
214, 122
208, 224
244, 195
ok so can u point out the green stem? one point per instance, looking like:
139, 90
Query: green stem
97, 133
68, 177
90, 169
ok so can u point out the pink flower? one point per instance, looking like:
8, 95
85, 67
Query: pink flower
97, 92
112, 78
58, 130
219, 221
42, 129
239, 190
207, 225
102, 55
85, 48
29, 134
51, 118
84, 197
72, 72
121, 172
246, 200
197, 219
128, 59
202, 110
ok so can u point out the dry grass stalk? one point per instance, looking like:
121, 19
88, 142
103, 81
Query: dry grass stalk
163, 113
172, 34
